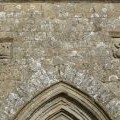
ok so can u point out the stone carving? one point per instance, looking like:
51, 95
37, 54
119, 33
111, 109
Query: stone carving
116, 43
114, 34
5, 48
61, 101
116, 51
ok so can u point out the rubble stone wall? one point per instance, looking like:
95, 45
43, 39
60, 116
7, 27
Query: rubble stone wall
43, 42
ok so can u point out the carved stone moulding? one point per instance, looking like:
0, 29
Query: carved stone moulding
114, 34
62, 102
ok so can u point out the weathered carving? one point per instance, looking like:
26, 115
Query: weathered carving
114, 34
116, 43
116, 51
5, 48
61, 101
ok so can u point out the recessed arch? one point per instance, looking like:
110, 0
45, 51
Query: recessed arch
62, 115
62, 99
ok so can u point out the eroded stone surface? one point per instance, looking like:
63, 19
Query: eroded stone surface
55, 41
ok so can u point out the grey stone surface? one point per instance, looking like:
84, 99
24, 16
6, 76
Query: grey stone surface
54, 41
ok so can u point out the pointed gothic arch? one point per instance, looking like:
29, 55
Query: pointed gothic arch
62, 101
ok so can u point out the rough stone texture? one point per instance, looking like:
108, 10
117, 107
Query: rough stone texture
45, 42
62, 98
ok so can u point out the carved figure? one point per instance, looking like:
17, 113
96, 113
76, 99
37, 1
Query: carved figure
116, 51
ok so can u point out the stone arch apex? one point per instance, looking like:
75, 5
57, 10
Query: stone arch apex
59, 100
23, 95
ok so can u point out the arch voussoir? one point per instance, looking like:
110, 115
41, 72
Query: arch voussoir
92, 88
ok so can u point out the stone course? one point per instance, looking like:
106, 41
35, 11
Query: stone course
44, 42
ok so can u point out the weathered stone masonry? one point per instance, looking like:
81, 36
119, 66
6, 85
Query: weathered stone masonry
44, 42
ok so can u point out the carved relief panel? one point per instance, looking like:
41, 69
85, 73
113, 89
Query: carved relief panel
116, 43
6, 48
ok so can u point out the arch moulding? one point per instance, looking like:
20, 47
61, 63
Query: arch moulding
62, 101
74, 98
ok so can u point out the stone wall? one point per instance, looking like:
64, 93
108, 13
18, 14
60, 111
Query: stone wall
49, 41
